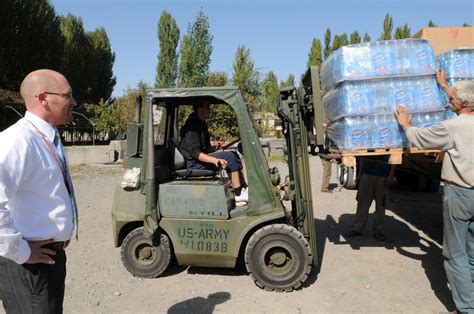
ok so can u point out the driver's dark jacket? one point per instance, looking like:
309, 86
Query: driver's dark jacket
195, 138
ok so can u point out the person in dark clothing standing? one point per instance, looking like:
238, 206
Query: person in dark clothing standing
375, 178
195, 145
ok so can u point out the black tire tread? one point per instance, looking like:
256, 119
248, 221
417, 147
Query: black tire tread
286, 230
164, 242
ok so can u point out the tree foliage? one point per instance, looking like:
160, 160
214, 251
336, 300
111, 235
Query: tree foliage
431, 24
327, 43
100, 60
340, 41
30, 38
168, 36
315, 56
246, 77
387, 28
355, 38
289, 82
402, 32
366, 38
106, 118
87, 61
113, 117
270, 92
223, 121
76, 46
196, 50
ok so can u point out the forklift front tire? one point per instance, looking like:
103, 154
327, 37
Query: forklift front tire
278, 258
141, 258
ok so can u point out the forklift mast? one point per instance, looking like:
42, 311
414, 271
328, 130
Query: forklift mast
296, 117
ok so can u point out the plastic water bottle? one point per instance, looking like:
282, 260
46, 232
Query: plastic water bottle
449, 114
359, 134
430, 97
424, 59
403, 95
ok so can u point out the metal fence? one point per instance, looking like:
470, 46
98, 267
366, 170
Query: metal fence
81, 131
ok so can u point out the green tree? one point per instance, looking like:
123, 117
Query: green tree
366, 38
355, 38
217, 79
223, 121
125, 105
246, 77
327, 43
100, 62
466, 24
107, 118
289, 82
339, 41
402, 32
76, 46
315, 56
398, 33
168, 36
387, 28
196, 50
30, 39
406, 31
432, 24
270, 91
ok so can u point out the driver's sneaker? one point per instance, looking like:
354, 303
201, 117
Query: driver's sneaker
243, 198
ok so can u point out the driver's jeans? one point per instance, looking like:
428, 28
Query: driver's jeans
233, 162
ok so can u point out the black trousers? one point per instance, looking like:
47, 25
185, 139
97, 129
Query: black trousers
33, 288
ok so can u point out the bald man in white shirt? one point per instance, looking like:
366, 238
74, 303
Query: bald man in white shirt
38, 211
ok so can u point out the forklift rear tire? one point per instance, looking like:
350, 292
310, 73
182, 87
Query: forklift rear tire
141, 258
278, 258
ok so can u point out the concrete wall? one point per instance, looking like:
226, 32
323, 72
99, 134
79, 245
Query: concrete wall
115, 151
97, 154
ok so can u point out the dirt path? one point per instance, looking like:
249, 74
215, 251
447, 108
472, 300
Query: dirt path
355, 275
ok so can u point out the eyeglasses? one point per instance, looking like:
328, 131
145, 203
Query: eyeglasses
65, 96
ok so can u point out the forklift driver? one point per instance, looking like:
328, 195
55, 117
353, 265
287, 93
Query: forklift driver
195, 145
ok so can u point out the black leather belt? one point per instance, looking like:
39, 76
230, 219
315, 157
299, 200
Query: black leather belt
58, 246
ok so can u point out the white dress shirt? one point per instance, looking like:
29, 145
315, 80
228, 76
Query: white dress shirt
34, 202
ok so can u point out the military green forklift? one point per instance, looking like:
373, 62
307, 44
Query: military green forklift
190, 216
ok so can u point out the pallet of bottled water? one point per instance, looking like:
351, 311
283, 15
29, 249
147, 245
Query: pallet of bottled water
377, 59
381, 96
377, 131
457, 65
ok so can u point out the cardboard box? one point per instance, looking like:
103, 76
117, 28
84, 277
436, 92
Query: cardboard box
446, 38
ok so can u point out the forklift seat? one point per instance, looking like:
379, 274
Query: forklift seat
179, 163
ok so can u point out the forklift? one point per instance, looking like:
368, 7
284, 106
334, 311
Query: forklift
190, 216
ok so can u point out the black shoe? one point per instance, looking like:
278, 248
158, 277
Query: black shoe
380, 236
352, 233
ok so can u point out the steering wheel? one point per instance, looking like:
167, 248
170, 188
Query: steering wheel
230, 143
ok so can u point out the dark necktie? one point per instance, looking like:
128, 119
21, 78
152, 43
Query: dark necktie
67, 176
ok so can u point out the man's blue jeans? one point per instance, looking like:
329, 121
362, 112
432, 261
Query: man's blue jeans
458, 244
233, 160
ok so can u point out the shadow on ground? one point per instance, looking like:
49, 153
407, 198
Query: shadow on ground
200, 304
422, 210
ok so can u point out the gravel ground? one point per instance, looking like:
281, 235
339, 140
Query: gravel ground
404, 274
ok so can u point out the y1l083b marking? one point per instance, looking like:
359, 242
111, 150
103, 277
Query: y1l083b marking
204, 239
